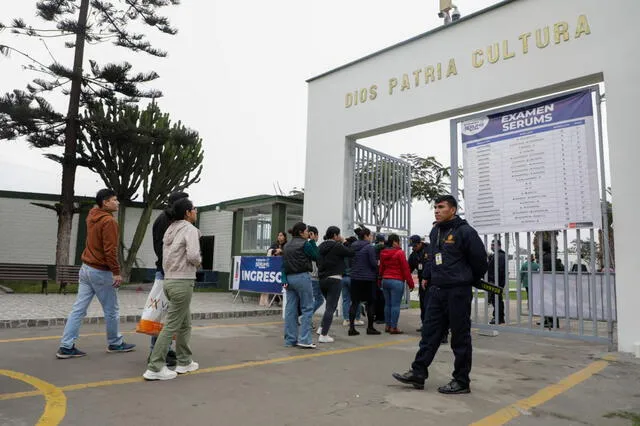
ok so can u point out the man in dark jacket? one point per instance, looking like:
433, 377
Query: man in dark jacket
158, 229
502, 276
547, 265
458, 260
418, 259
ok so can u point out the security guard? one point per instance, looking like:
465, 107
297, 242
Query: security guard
458, 260
418, 258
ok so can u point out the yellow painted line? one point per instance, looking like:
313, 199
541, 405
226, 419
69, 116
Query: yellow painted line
311, 354
55, 401
509, 413
195, 327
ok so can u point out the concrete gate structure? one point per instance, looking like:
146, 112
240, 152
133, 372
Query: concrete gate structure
513, 51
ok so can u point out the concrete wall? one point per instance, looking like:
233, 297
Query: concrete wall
599, 46
28, 232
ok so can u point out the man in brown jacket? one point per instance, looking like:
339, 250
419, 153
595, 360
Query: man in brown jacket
99, 276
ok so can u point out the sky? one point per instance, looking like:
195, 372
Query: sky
236, 73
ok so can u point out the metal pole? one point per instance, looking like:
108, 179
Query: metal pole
542, 279
518, 280
579, 285
507, 296
453, 136
530, 279
554, 253
592, 283
486, 294
567, 301
605, 218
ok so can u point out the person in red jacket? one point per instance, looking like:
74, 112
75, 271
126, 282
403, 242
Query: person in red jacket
394, 272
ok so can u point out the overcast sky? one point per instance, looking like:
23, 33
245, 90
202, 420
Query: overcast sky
236, 72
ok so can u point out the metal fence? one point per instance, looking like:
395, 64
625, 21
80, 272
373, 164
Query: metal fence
567, 297
557, 294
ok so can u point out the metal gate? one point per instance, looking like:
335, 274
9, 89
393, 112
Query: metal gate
382, 195
381, 191
558, 282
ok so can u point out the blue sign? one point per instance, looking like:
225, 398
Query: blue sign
261, 274
565, 111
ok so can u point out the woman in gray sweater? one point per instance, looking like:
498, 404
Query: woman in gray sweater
180, 260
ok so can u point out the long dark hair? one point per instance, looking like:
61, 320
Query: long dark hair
298, 229
362, 232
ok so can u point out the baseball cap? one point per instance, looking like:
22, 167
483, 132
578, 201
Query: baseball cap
380, 238
415, 239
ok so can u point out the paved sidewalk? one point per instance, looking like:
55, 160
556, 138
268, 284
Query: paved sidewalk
39, 310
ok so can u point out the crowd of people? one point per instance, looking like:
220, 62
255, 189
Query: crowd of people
371, 274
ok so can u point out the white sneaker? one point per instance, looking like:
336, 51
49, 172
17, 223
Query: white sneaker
346, 323
326, 339
164, 374
181, 369
306, 346
358, 323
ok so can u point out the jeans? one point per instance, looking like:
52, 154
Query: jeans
331, 288
318, 298
346, 298
393, 292
299, 295
447, 308
94, 282
179, 293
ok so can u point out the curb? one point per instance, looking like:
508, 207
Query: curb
51, 322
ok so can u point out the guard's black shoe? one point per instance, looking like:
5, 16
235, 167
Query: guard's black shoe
353, 332
453, 388
372, 331
410, 378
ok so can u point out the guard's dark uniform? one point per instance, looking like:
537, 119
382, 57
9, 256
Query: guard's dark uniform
418, 261
457, 260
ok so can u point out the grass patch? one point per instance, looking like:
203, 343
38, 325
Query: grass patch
33, 287
627, 415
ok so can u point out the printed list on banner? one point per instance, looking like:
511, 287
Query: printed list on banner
533, 168
261, 274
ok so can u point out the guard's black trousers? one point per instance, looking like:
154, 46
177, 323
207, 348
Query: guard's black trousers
422, 294
447, 308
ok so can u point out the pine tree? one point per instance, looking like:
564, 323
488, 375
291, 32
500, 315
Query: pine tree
27, 113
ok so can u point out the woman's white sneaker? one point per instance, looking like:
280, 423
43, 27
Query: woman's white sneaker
326, 339
164, 374
181, 369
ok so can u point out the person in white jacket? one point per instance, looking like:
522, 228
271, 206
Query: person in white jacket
180, 260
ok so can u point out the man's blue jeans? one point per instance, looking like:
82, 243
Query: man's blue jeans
299, 294
346, 298
94, 282
318, 298
393, 292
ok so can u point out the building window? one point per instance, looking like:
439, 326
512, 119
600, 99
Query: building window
256, 229
294, 215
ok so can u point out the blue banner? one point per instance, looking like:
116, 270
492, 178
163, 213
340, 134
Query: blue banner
565, 111
261, 274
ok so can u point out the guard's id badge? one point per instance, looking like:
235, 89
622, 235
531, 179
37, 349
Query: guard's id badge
438, 258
